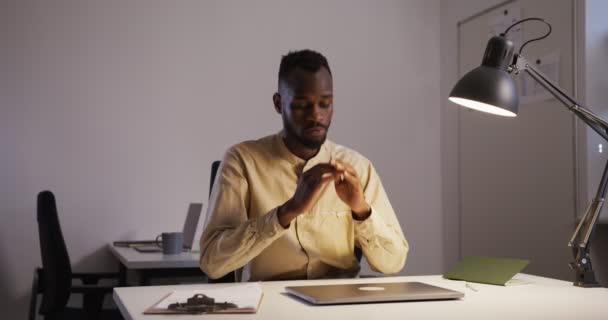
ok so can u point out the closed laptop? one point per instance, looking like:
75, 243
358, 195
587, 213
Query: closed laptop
372, 292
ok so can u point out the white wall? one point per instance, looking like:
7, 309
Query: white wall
596, 98
595, 92
120, 108
451, 13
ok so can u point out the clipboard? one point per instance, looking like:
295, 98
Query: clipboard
245, 298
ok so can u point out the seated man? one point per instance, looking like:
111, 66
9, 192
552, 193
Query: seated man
294, 205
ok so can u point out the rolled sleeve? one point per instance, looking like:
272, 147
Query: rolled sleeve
380, 236
269, 226
384, 247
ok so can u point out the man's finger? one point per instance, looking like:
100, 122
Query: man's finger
348, 177
321, 168
327, 176
317, 186
339, 177
318, 171
343, 166
340, 167
336, 164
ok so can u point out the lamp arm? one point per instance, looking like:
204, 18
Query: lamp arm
579, 242
598, 124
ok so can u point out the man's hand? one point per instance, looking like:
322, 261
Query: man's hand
307, 192
349, 189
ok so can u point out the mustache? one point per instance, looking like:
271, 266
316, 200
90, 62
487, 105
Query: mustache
315, 125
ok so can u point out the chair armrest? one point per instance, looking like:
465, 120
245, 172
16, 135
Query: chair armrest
93, 278
92, 298
100, 290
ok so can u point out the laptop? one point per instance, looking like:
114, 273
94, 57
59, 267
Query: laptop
372, 292
189, 230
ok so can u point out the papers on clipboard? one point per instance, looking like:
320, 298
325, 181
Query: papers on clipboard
247, 298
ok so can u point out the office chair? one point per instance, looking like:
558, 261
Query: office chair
54, 280
214, 166
358, 254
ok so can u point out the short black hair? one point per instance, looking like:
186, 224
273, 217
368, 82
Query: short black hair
306, 59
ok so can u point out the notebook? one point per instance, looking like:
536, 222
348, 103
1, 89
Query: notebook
489, 270
189, 230
372, 292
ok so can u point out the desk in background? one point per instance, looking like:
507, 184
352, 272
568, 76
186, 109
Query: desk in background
543, 298
151, 265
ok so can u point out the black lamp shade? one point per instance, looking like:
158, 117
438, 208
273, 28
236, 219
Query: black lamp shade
489, 87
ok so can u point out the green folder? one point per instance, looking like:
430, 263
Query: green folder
490, 270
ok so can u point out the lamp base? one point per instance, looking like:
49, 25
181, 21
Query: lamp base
587, 285
586, 279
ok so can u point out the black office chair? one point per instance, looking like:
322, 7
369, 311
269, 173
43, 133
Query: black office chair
54, 280
214, 166
358, 253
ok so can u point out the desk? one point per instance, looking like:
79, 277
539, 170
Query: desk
155, 264
543, 298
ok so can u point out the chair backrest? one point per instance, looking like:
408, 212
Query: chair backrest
358, 253
214, 166
56, 271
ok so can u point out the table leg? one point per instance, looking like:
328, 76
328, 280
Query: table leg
122, 274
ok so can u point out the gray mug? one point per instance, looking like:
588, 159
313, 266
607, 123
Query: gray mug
171, 242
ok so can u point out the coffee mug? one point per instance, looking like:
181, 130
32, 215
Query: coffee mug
171, 242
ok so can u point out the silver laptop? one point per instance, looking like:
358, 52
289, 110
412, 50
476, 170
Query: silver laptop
372, 292
189, 230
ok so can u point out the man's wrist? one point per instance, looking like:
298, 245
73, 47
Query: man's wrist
285, 215
362, 212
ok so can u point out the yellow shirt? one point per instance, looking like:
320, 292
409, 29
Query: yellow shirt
255, 178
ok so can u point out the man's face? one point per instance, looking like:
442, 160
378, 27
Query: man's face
307, 106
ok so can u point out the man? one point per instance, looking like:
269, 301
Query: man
294, 205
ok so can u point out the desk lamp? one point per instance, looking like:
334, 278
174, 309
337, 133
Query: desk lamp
490, 88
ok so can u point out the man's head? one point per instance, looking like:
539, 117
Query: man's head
305, 97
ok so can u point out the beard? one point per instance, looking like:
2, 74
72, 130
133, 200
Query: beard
313, 143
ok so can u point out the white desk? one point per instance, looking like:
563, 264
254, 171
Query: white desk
543, 298
155, 264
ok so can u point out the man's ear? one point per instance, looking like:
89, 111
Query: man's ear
276, 100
